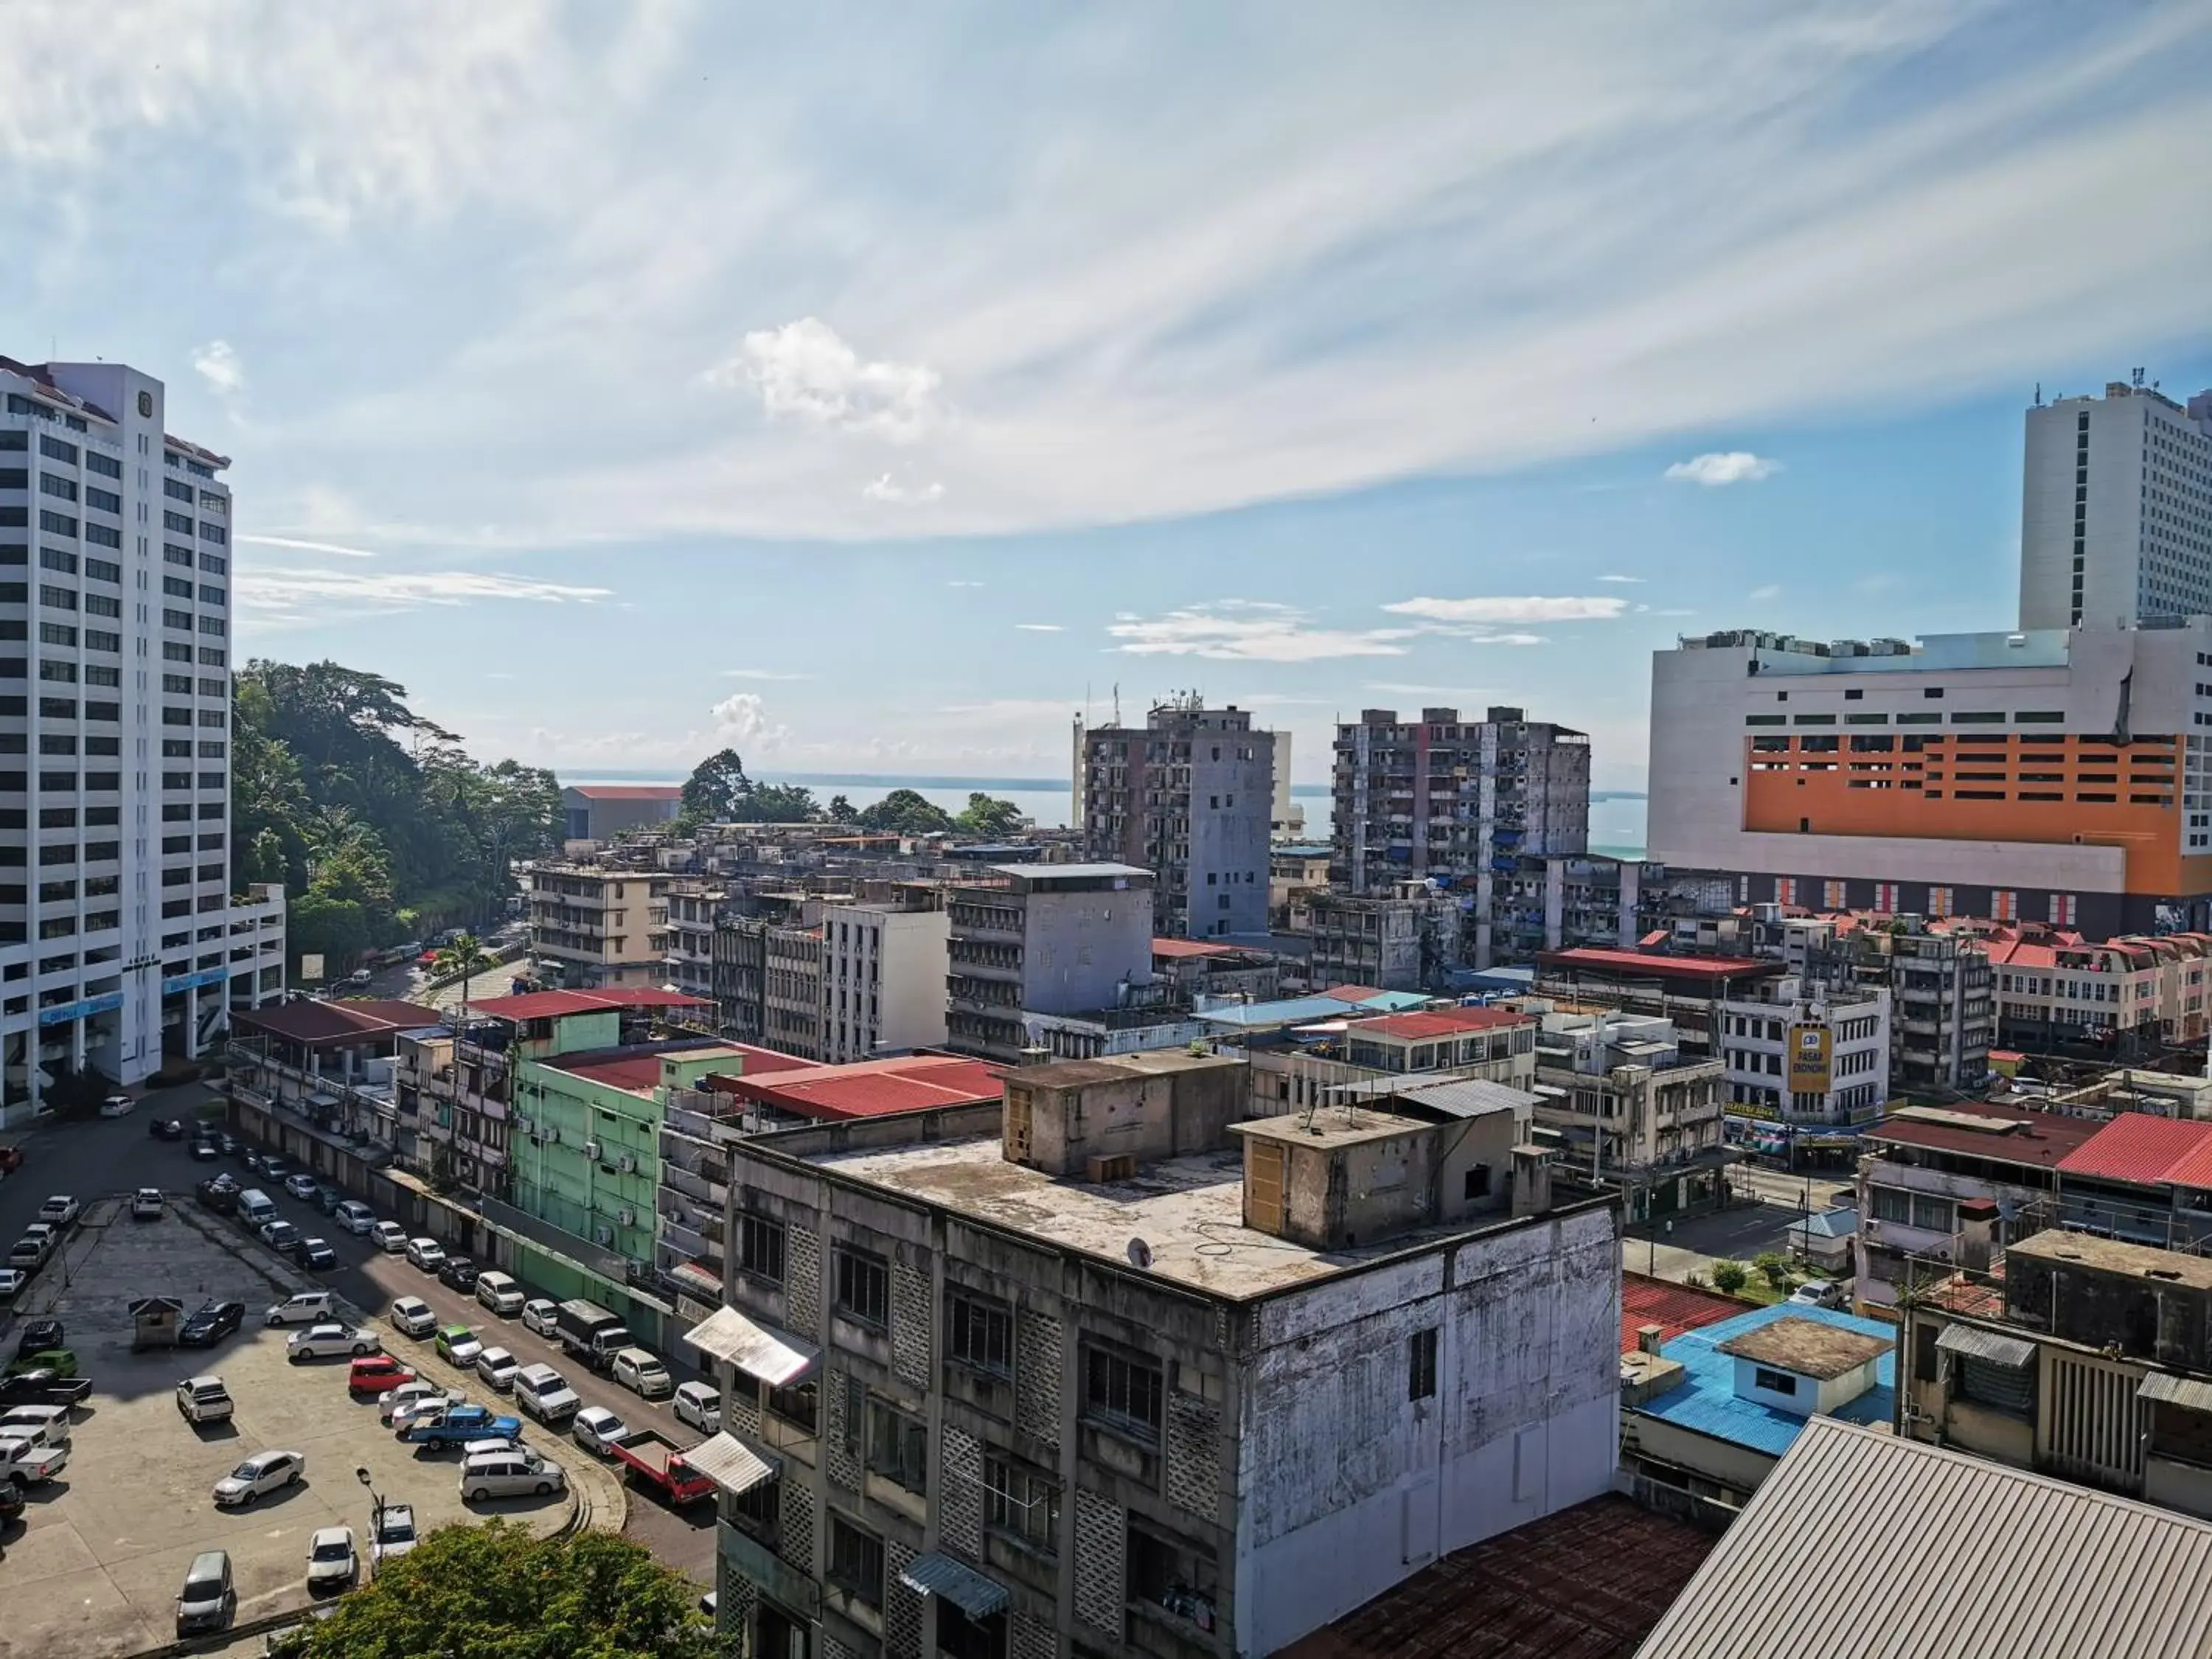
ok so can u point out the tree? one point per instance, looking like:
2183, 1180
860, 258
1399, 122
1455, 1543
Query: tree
1774, 1267
495, 1592
841, 810
780, 803
903, 812
1730, 1276
463, 955
990, 819
717, 790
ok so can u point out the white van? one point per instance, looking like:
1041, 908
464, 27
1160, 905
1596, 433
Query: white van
700, 1406
643, 1374
520, 1473
500, 1293
256, 1208
42, 1426
546, 1393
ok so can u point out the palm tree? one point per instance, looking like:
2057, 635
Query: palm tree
464, 955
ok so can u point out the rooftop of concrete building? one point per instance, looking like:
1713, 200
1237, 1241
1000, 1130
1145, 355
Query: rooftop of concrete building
1047, 875
316, 1024
635, 1070
2112, 1255
2005, 1135
870, 1088
1657, 965
1196, 947
1706, 1402
1806, 1347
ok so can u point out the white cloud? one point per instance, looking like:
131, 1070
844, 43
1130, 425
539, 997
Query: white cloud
1768, 591
886, 489
282, 596
1456, 693
308, 547
1592, 608
1040, 628
1245, 630
963, 584
1719, 467
1621, 579
218, 365
806, 372
1507, 639
741, 717
761, 674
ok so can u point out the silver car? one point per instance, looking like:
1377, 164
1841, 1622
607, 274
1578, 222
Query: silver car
599, 1430
258, 1476
331, 1341
332, 1562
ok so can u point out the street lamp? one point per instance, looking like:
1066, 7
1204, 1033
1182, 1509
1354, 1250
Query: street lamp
376, 1517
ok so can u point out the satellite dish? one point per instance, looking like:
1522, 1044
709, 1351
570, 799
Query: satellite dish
1140, 1253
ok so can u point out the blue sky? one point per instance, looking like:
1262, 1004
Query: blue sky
866, 387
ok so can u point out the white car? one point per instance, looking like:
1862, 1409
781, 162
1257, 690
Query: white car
393, 1535
12, 1280
60, 1210
518, 1472
699, 1405
393, 1403
303, 1308
146, 1204
42, 1426
331, 1562
427, 1253
411, 1315
1818, 1293
499, 1293
541, 1315
356, 1217
330, 1341
117, 1106
597, 1430
389, 1236
497, 1367
258, 1476
642, 1372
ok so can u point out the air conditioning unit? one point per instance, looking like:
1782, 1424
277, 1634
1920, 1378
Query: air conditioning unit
528, 1125
553, 1137
627, 1164
604, 1235
590, 1148
627, 1218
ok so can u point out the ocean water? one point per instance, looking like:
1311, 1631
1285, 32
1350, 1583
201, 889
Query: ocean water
1616, 821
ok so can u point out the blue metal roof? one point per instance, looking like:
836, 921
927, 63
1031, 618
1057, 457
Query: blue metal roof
1842, 1223
1395, 1002
933, 1573
1290, 1011
1706, 1402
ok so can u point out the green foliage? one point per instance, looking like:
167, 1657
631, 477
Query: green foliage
1730, 1276
779, 803
841, 810
715, 791
368, 813
463, 957
1774, 1267
495, 1592
903, 812
989, 818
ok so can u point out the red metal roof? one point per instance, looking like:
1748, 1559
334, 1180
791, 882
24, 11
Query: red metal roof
1443, 1023
1674, 1308
758, 1062
2039, 1141
636, 1070
1659, 967
550, 1005
627, 790
1352, 993
870, 1088
2137, 1146
1191, 947
329, 1025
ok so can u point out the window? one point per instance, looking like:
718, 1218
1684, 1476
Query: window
980, 1335
799, 1404
959, 1637
1122, 1392
864, 1287
760, 1248
1024, 1506
1421, 1365
176, 489
898, 1446
177, 588
1174, 1577
101, 570
60, 488
856, 1561
1773, 1381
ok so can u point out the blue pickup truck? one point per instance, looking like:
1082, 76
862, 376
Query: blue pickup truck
457, 1425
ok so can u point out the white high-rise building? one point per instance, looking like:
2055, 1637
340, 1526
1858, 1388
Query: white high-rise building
2116, 509
119, 941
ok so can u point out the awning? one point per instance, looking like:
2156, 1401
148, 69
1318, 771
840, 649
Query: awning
2170, 1390
775, 1356
1971, 1342
731, 1464
933, 1574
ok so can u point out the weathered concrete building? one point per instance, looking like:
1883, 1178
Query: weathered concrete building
1636, 1113
1114, 1370
1050, 939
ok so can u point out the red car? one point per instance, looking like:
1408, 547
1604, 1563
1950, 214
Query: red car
375, 1374
11, 1157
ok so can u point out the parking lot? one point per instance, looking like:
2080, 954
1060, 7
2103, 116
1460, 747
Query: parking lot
96, 1567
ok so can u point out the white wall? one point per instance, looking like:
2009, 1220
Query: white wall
1345, 1487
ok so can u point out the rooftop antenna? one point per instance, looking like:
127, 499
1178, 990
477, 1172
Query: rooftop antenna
2038, 394
1117, 704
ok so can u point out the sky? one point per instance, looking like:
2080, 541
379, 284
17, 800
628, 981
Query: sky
877, 389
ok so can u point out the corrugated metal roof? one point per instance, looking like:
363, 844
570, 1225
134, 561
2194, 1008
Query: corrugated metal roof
775, 1356
935, 1574
2169, 1389
731, 1464
2136, 1146
2045, 1568
1470, 1096
1706, 1399
1971, 1342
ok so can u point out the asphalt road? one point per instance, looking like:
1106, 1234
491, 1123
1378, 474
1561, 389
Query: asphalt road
116, 1155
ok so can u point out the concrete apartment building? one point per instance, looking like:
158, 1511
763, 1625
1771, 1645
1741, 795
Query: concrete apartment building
1458, 802
791, 990
115, 650
1114, 1370
1050, 939
604, 924
1807, 1054
1402, 938
1943, 990
737, 964
883, 974
2116, 509
2054, 776
600, 812
2127, 998
1190, 796
692, 908
1635, 1113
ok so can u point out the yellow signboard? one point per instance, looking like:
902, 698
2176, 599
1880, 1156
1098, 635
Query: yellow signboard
1810, 1067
